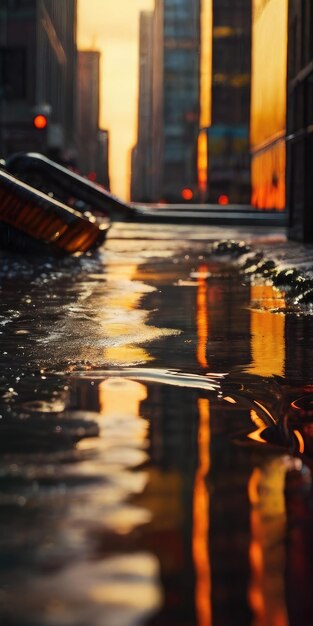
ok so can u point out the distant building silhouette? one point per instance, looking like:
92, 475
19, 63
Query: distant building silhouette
142, 155
92, 143
88, 65
38, 75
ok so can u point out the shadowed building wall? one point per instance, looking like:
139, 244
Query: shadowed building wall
300, 120
38, 67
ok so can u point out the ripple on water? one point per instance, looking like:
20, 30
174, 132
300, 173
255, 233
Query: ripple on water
119, 591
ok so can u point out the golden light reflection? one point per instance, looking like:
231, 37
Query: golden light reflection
230, 400
267, 332
205, 62
266, 552
201, 517
268, 102
119, 396
202, 163
300, 441
256, 435
202, 317
124, 324
268, 177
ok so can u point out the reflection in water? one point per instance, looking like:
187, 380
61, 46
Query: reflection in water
267, 332
122, 325
201, 520
267, 551
202, 163
202, 316
153, 503
201, 503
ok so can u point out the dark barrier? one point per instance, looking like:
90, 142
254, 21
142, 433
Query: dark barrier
26, 212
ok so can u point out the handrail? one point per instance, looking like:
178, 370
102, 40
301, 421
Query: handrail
70, 182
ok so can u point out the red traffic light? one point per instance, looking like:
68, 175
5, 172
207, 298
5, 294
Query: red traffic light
223, 199
40, 121
187, 194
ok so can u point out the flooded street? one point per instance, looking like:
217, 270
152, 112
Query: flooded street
156, 438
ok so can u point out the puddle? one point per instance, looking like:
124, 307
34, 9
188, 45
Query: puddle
156, 442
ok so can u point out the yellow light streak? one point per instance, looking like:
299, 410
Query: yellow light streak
267, 333
266, 551
202, 317
202, 161
205, 63
300, 440
268, 103
230, 400
201, 523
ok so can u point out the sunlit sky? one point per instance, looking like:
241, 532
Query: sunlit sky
112, 27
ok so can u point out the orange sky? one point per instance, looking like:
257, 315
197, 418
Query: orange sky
112, 28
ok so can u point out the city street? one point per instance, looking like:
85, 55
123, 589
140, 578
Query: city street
156, 432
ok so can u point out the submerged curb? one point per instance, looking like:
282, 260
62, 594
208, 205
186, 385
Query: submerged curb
297, 284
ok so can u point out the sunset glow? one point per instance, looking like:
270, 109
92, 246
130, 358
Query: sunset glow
113, 29
268, 103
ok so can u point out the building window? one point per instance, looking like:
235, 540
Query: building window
13, 73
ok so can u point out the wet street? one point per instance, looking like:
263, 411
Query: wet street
156, 437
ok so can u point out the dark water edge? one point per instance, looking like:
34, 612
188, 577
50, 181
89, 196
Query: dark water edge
156, 440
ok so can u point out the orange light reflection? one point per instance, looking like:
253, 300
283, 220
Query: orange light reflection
119, 396
202, 162
268, 103
201, 516
205, 62
202, 317
266, 551
267, 332
300, 440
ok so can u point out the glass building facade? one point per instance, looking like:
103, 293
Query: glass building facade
228, 135
180, 96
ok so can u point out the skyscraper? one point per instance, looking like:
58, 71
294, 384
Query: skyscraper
142, 154
88, 109
175, 97
228, 135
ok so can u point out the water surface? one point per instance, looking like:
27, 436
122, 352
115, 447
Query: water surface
156, 440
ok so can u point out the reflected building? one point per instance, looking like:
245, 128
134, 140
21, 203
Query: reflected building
268, 103
300, 120
38, 75
228, 143
175, 98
